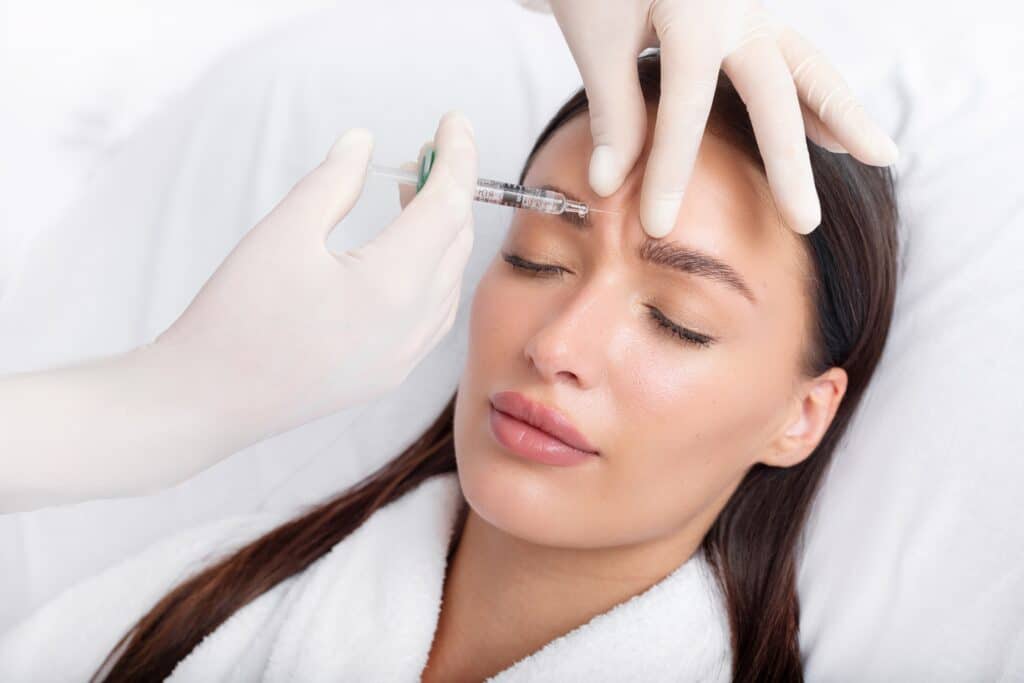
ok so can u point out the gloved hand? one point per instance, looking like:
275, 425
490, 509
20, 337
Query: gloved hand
787, 85
284, 331
311, 332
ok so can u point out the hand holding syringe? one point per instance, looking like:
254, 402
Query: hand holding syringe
285, 331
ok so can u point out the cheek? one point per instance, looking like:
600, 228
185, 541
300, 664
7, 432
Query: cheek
723, 397
689, 426
492, 316
711, 404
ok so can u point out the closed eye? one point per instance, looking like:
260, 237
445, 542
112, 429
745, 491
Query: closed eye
531, 268
660, 320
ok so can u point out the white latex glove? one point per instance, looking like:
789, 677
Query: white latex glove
317, 331
284, 331
787, 85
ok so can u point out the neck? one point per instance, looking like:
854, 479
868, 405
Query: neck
505, 598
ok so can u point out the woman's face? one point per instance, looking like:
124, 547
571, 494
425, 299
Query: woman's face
676, 423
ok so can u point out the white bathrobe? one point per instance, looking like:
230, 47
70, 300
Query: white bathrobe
365, 611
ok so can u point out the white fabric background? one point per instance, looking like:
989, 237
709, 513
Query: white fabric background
914, 567
78, 77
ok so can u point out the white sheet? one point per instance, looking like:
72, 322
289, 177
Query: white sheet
915, 560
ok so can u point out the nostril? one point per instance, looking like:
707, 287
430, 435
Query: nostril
569, 376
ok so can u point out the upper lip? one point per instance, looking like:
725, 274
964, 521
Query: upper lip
541, 417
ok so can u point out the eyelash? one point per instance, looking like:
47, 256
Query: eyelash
672, 329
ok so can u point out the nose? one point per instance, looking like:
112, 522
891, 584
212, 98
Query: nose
572, 343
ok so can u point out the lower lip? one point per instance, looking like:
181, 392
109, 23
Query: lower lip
531, 443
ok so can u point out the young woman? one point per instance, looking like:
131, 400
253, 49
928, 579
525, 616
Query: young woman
689, 392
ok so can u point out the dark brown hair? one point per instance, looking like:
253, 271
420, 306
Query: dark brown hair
753, 545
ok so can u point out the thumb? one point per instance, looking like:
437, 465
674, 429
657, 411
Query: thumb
329, 191
433, 218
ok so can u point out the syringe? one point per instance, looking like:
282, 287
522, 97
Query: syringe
492, 191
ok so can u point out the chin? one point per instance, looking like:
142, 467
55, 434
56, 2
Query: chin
515, 507
535, 503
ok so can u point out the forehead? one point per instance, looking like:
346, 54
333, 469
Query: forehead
727, 211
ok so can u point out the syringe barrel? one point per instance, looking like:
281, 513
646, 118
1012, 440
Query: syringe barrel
517, 196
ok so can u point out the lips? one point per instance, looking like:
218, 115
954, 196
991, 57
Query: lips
545, 419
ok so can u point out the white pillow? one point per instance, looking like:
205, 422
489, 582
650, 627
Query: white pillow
73, 88
914, 565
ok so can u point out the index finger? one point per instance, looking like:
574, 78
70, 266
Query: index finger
689, 75
441, 208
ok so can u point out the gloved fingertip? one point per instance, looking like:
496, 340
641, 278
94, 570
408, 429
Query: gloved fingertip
456, 117
456, 155
354, 140
806, 217
454, 130
887, 151
659, 216
879, 147
605, 171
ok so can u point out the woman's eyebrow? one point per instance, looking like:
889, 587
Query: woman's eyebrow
694, 262
660, 252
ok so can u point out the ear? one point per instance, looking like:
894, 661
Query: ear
813, 409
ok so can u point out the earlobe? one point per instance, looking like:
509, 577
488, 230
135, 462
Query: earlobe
810, 418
